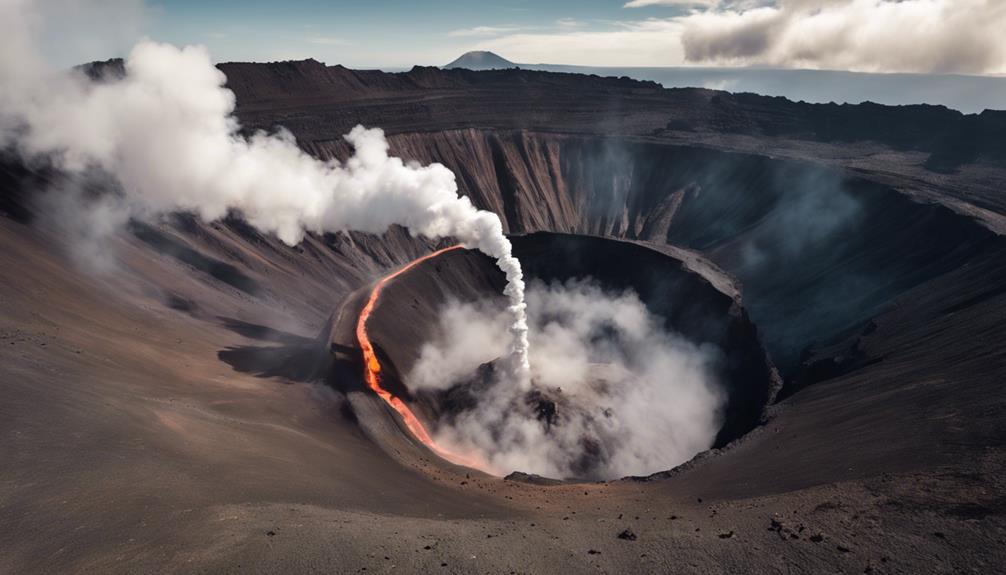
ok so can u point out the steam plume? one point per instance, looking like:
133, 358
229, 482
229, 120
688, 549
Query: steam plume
166, 132
631, 397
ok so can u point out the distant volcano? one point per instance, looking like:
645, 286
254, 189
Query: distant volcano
481, 61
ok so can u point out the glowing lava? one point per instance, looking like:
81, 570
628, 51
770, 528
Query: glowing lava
372, 369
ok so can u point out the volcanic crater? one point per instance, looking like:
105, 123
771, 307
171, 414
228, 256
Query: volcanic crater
847, 261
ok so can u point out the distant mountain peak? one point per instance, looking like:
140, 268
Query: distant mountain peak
480, 60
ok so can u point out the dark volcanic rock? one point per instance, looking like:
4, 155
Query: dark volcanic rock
544, 407
627, 534
531, 479
106, 70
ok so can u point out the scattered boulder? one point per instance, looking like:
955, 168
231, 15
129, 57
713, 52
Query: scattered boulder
531, 478
627, 534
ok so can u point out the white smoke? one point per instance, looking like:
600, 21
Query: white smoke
166, 132
633, 398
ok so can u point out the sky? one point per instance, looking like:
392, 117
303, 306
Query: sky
376, 33
911, 36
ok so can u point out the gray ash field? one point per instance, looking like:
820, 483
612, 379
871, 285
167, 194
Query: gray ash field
200, 406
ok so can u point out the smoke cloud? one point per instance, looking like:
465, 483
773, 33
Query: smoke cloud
814, 206
167, 134
631, 397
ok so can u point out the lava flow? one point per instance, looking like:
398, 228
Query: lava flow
372, 369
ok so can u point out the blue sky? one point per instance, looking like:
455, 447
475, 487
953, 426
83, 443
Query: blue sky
911, 36
382, 33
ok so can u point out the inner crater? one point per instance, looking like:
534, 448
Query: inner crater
642, 357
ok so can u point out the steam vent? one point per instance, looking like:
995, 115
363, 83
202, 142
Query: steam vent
292, 318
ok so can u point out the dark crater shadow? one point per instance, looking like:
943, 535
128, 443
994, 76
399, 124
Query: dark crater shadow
16, 181
179, 303
294, 358
169, 246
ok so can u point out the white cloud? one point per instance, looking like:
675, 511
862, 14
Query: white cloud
483, 31
568, 23
645, 3
964, 36
923, 36
643, 43
328, 41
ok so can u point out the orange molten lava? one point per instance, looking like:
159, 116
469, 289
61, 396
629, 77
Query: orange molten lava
372, 367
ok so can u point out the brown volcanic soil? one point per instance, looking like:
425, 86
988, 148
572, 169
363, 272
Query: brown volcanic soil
180, 412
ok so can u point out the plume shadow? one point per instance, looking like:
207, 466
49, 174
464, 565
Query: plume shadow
215, 268
295, 359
